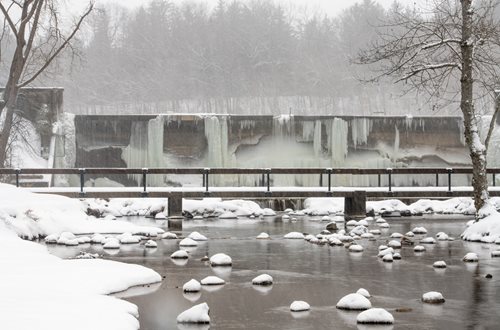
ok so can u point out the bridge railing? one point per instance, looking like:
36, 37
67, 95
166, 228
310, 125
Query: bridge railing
265, 172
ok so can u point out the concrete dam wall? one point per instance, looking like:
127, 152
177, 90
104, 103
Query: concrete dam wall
208, 140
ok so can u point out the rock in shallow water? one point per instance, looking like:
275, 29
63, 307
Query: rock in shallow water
354, 301
375, 316
433, 297
299, 306
196, 314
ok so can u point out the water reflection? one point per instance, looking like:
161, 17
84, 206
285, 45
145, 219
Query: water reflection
192, 296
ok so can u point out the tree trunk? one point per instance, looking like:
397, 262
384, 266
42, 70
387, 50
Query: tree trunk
476, 148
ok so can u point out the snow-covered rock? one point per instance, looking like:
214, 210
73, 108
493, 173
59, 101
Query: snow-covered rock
396, 235
355, 248
191, 286
128, 238
380, 220
228, 215
188, 242
433, 297
263, 279
354, 301
151, 244
388, 258
375, 316
294, 235
196, 314
442, 236
495, 254
367, 236
382, 247
179, 254
335, 241
51, 239
169, 235
363, 223
263, 236
470, 257
83, 239
396, 256
351, 223
358, 230
385, 252
363, 292
97, 239
376, 232
299, 306
71, 242
419, 248
384, 225
111, 243
212, 280
428, 240
326, 218
419, 230
196, 236
221, 259
439, 264
410, 234
394, 244
160, 216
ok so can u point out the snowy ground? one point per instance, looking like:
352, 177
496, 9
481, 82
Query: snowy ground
41, 291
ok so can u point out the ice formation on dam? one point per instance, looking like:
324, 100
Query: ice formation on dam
338, 141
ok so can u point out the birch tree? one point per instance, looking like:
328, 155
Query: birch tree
450, 52
39, 36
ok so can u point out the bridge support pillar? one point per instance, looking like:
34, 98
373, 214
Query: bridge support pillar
175, 211
355, 205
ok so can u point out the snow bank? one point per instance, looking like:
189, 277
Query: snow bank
214, 207
485, 230
32, 215
375, 316
119, 207
354, 301
196, 314
263, 236
36, 284
323, 206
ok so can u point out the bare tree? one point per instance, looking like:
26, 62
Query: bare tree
451, 52
39, 38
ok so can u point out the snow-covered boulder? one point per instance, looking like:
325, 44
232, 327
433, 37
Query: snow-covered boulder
326, 218
385, 252
83, 239
394, 244
111, 243
354, 301
419, 248
299, 306
470, 257
367, 236
439, 264
351, 223
380, 220
363, 223
263, 236
51, 239
428, 240
396, 235
495, 254
196, 314
384, 225
151, 244
433, 297
294, 235
212, 280
375, 316
128, 238
263, 279
396, 256
333, 241
363, 292
179, 254
160, 216
191, 286
188, 242
196, 236
97, 239
376, 232
442, 236
388, 258
169, 235
410, 234
419, 230
358, 230
355, 248
220, 259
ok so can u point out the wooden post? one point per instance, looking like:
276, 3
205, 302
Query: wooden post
175, 211
355, 205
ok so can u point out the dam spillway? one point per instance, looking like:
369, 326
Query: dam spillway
209, 140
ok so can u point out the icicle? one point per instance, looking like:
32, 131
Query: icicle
338, 141
396, 142
136, 153
360, 130
317, 147
155, 157
216, 132
308, 128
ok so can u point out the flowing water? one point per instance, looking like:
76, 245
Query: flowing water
320, 275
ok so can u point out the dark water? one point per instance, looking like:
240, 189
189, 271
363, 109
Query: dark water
320, 275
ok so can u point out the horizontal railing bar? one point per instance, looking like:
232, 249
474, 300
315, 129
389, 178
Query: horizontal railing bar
281, 170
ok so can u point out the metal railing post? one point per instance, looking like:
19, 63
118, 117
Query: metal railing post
379, 180
206, 170
437, 179
329, 172
449, 170
82, 181
494, 180
144, 182
18, 171
321, 179
389, 172
268, 181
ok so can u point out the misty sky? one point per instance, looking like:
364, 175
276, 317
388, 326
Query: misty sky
331, 7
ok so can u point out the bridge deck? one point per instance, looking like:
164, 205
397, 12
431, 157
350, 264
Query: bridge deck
261, 192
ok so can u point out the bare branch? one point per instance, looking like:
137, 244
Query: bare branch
430, 67
9, 19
